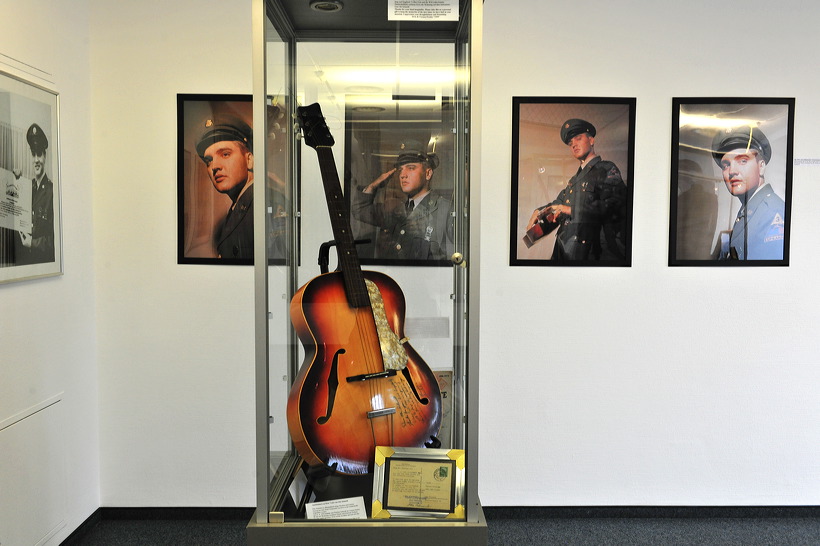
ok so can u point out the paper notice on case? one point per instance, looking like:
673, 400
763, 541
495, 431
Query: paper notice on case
15, 202
422, 10
352, 508
445, 385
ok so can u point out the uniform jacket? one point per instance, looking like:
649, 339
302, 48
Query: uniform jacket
234, 238
595, 228
42, 225
426, 233
761, 226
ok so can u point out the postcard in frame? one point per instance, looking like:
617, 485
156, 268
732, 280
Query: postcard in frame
411, 482
30, 220
730, 198
572, 161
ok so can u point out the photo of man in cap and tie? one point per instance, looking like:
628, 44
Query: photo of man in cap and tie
590, 212
38, 247
742, 155
421, 228
226, 148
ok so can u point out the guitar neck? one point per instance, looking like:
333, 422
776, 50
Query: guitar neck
355, 287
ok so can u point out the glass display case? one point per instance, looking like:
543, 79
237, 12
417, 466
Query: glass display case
367, 296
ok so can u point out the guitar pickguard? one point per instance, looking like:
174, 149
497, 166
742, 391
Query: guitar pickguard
393, 354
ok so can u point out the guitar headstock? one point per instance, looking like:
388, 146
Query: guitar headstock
313, 126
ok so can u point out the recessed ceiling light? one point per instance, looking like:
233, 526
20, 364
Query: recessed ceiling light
326, 6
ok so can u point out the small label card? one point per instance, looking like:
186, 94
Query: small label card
351, 508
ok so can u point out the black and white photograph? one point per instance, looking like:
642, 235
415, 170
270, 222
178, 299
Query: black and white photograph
731, 181
30, 227
572, 181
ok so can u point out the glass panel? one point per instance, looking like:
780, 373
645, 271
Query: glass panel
378, 360
281, 234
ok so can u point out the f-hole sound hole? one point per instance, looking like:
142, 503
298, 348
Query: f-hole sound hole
332, 385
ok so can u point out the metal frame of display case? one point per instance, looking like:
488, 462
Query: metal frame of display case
269, 524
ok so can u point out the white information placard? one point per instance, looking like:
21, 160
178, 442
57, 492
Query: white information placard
422, 10
351, 508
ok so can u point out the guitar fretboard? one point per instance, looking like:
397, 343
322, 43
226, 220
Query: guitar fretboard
355, 287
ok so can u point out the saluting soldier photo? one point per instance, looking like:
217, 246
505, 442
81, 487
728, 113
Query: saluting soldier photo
421, 226
400, 175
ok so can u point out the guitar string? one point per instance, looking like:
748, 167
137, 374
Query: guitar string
343, 246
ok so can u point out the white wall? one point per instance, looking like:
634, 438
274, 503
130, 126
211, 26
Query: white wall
175, 341
49, 461
649, 385
657, 399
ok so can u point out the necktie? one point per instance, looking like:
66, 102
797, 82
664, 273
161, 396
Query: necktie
409, 206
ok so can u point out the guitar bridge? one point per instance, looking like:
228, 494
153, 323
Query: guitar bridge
369, 376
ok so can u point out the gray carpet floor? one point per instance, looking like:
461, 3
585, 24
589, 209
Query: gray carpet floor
506, 526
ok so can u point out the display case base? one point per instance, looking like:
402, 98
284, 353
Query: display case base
360, 533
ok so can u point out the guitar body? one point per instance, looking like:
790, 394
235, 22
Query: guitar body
333, 420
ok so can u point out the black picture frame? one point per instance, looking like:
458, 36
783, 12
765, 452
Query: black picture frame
374, 137
706, 227
543, 168
201, 208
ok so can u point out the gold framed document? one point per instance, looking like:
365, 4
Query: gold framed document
411, 482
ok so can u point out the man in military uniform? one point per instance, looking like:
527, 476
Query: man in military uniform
758, 232
38, 247
590, 213
226, 147
421, 228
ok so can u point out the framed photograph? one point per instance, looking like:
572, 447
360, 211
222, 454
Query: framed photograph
399, 179
216, 181
572, 187
731, 181
30, 222
415, 482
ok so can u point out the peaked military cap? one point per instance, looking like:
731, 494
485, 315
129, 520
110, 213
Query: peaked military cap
573, 127
37, 140
412, 151
223, 128
747, 138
